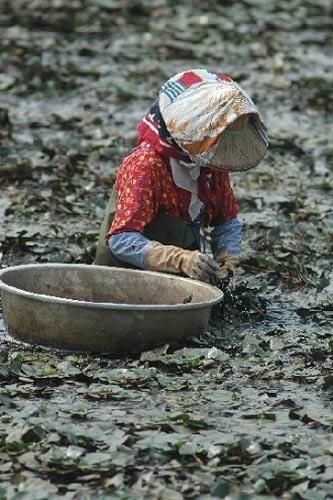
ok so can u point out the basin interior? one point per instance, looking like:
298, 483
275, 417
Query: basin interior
112, 285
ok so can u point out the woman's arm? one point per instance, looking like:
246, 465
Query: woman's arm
130, 247
227, 237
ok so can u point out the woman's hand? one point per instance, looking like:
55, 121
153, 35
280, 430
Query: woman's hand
227, 264
199, 266
172, 259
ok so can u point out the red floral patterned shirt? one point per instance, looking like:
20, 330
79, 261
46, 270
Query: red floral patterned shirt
145, 188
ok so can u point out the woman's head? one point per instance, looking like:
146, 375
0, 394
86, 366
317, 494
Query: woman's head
212, 119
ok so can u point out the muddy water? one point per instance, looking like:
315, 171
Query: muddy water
251, 397
248, 407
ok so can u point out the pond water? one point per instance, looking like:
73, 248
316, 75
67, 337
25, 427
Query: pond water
246, 410
251, 400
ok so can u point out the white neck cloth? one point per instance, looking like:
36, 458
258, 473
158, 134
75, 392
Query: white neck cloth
186, 177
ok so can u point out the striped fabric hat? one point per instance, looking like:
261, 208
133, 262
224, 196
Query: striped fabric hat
200, 110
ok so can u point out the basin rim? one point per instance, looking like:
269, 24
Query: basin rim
108, 305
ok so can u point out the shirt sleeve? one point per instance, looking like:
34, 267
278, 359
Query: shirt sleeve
227, 237
130, 247
138, 188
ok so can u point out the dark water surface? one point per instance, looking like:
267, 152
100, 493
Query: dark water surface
246, 410
251, 402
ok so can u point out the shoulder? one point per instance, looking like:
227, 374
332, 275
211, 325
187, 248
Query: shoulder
144, 157
143, 167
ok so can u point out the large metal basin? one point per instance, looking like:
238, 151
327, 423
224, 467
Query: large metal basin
102, 309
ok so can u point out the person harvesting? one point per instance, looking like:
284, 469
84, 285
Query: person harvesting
174, 186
